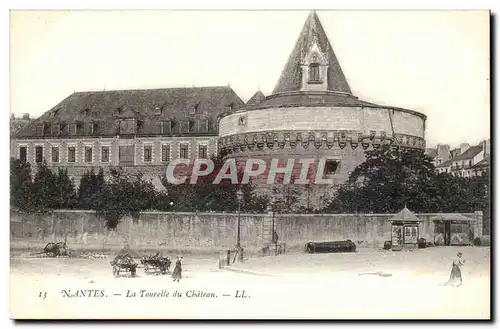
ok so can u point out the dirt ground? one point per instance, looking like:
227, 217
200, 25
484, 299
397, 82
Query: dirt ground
303, 286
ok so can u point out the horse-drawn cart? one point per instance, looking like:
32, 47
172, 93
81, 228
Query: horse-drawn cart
156, 264
124, 263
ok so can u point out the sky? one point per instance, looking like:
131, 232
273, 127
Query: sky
434, 62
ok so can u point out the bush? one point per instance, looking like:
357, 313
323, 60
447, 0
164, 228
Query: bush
387, 245
422, 243
477, 241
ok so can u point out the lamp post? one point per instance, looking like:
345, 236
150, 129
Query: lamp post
273, 202
239, 195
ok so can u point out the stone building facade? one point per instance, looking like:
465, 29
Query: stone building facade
313, 113
137, 130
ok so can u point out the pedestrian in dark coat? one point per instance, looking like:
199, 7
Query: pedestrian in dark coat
456, 273
177, 272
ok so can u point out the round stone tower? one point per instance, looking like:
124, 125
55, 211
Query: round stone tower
312, 113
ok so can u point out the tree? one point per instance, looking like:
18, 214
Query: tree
21, 185
388, 180
90, 187
391, 179
66, 197
206, 196
45, 194
123, 195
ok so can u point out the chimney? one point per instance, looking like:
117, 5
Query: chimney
464, 147
443, 152
486, 147
26, 116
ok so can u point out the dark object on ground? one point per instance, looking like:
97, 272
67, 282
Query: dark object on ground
477, 241
333, 246
387, 245
381, 274
430, 244
156, 264
56, 249
422, 243
123, 263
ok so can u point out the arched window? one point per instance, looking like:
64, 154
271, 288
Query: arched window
314, 72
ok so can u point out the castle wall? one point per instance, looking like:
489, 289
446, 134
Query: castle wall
357, 119
213, 230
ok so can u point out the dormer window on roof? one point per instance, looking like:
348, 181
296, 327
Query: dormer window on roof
314, 76
157, 110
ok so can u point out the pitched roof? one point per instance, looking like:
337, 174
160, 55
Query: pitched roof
291, 76
470, 153
176, 104
405, 215
257, 98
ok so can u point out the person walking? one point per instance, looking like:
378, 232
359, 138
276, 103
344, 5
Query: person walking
456, 272
177, 272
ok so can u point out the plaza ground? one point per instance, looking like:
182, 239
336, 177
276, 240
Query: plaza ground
301, 286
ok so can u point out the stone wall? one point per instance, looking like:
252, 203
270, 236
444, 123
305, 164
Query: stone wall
213, 230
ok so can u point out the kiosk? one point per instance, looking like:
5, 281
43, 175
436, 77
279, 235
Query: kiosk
404, 230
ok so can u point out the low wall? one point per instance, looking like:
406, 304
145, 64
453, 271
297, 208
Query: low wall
211, 230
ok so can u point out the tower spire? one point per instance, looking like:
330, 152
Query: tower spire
291, 76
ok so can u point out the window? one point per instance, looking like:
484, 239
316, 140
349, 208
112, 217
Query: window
39, 130
105, 154
148, 150
38, 154
183, 151
157, 110
23, 153
95, 128
63, 129
202, 151
166, 127
128, 126
165, 153
331, 167
470, 163
71, 154
56, 130
79, 129
88, 153
314, 73
191, 126
55, 154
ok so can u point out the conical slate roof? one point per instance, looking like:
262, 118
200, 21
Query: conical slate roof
291, 77
405, 215
257, 98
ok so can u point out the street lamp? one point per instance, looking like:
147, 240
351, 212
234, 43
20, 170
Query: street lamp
239, 196
273, 202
